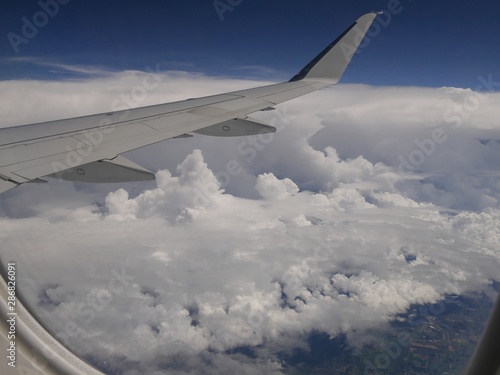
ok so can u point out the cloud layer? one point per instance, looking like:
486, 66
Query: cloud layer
332, 225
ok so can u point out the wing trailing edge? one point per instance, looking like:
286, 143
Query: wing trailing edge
6, 185
118, 169
86, 149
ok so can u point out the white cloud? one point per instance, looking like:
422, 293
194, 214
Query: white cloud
315, 232
176, 198
269, 187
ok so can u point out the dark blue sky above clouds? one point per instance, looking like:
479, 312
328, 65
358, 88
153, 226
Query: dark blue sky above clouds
419, 42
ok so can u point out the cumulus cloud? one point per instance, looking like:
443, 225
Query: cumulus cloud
320, 230
175, 198
269, 187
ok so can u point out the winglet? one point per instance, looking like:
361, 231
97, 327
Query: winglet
331, 63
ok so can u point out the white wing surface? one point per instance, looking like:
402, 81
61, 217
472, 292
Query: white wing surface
86, 148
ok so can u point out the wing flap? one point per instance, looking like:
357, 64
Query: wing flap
236, 128
118, 169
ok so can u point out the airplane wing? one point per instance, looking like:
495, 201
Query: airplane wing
87, 149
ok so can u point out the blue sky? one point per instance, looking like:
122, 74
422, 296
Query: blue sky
425, 43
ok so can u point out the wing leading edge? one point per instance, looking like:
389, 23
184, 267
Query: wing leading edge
51, 148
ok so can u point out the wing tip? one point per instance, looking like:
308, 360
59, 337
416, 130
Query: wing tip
323, 69
371, 15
